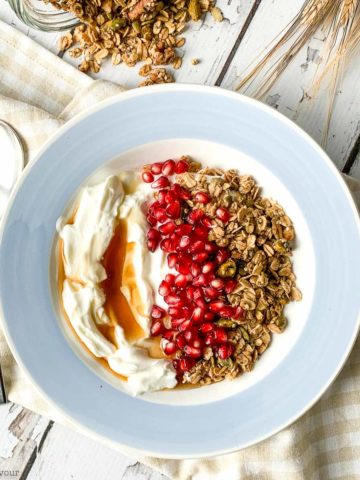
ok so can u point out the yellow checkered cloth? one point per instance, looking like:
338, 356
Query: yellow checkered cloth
38, 93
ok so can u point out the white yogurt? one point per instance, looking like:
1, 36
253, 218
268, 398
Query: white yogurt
85, 243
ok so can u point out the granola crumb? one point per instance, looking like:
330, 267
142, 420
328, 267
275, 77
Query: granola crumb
195, 61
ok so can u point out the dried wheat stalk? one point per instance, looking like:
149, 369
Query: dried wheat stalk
340, 19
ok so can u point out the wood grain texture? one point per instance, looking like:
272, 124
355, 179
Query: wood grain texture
68, 455
22, 433
288, 93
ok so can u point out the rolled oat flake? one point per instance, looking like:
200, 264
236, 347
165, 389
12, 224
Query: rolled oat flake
11, 162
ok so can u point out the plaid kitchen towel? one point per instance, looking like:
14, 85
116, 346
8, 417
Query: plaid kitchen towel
38, 93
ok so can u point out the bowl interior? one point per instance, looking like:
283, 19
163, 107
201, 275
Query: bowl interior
215, 155
226, 129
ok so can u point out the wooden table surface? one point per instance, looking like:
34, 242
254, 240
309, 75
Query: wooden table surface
30, 445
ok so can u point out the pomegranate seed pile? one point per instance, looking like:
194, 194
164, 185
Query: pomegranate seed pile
201, 272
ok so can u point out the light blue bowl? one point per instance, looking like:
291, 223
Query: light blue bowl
154, 114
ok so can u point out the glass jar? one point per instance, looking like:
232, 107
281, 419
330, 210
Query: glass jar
42, 16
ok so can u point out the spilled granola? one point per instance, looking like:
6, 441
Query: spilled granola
132, 31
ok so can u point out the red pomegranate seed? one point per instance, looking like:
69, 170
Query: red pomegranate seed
185, 194
175, 312
180, 341
195, 269
168, 167
200, 257
209, 316
169, 348
161, 198
170, 278
175, 187
152, 245
220, 335
201, 232
181, 280
191, 334
167, 228
225, 351
151, 220
197, 293
170, 334
172, 299
211, 247
184, 242
223, 214
185, 325
153, 234
201, 197
159, 213
188, 311
192, 352
156, 168
161, 182
239, 313
206, 221
198, 314
209, 339
157, 328
190, 292
182, 267
197, 246
183, 229
206, 327
197, 343
217, 283
186, 364
181, 166
176, 322
230, 284
157, 312
172, 258
208, 267
173, 210
195, 215
200, 280
200, 302
170, 197
211, 292
216, 306
167, 245
147, 177
227, 312
164, 288
221, 256
175, 239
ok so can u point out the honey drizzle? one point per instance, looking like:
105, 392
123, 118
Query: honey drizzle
116, 305
60, 286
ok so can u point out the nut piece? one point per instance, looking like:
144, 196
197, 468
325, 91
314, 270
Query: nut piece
227, 269
194, 10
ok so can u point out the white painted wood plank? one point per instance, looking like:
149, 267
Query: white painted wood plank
287, 95
21, 433
67, 455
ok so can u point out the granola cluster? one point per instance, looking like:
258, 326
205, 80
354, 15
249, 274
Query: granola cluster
132, 31
259, 236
